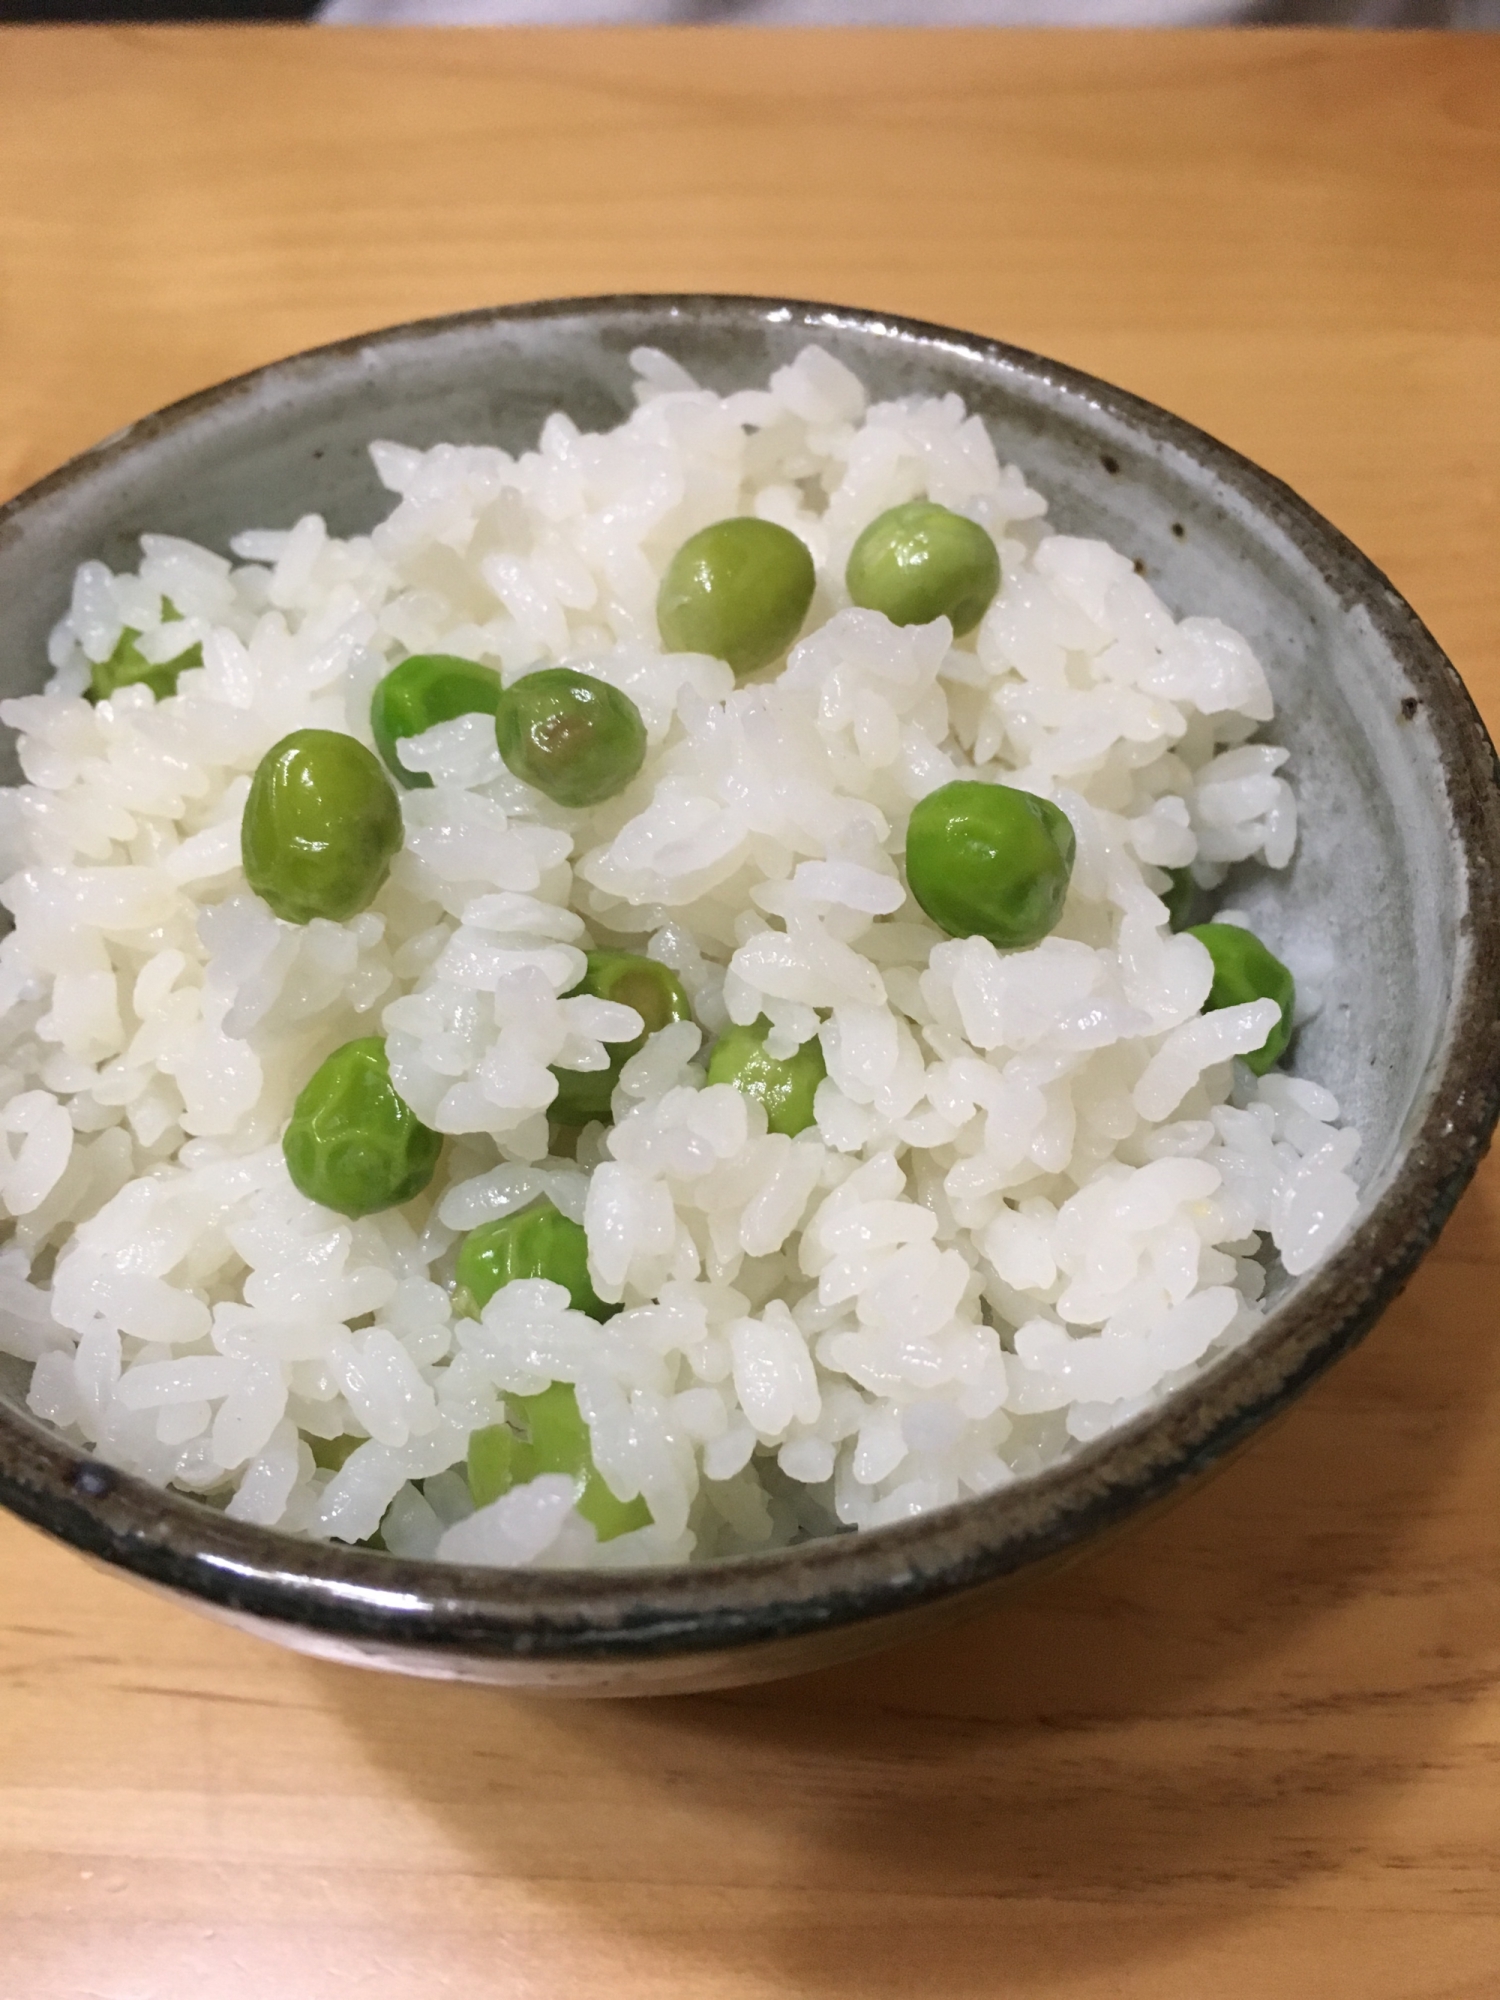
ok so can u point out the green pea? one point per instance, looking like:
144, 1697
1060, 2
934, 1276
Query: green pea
990, 861
656, 995
1178, 896
738, 590
333, 1453
127, 666
921, 561
1245, 970
352, 1143
575, 738
785, 1085
557, 1441
426, 689
537, 1242
498, 1460
560, 1443
321, 824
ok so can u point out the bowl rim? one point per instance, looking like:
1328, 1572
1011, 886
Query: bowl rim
746, 1601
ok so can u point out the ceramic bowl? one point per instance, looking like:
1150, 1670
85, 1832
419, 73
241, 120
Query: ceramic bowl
1394, 889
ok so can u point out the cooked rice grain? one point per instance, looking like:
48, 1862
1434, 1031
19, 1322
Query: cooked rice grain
1038, 1194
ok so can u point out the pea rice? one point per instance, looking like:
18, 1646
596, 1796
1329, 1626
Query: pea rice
1038, 1195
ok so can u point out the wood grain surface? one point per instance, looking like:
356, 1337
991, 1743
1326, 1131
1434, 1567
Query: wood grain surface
1254, 1749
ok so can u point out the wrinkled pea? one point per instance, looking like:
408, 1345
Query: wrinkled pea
785, 1085
573, 736
990, 861
321, 824
353, 1143
422, 691
739, 590
1245, 970
127, 665
536, 1242
556, 1440
657, 996
921, 561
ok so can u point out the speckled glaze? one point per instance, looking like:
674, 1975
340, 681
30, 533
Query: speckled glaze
1397, 877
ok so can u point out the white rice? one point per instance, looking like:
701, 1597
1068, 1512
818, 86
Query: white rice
1039, 1191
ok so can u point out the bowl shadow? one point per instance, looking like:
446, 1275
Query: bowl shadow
1219, 1706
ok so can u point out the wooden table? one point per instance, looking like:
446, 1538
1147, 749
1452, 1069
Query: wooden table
1255, 1749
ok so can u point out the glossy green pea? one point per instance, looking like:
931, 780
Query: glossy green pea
321, 824
990, 861
557, 1441
738, 590
352, 1143
786, 1085
921, 561
127, 666
1245, 970
537, 1242
575, 738
656, 995
427, 689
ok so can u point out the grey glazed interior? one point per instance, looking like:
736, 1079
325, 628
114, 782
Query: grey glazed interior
1391, 912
